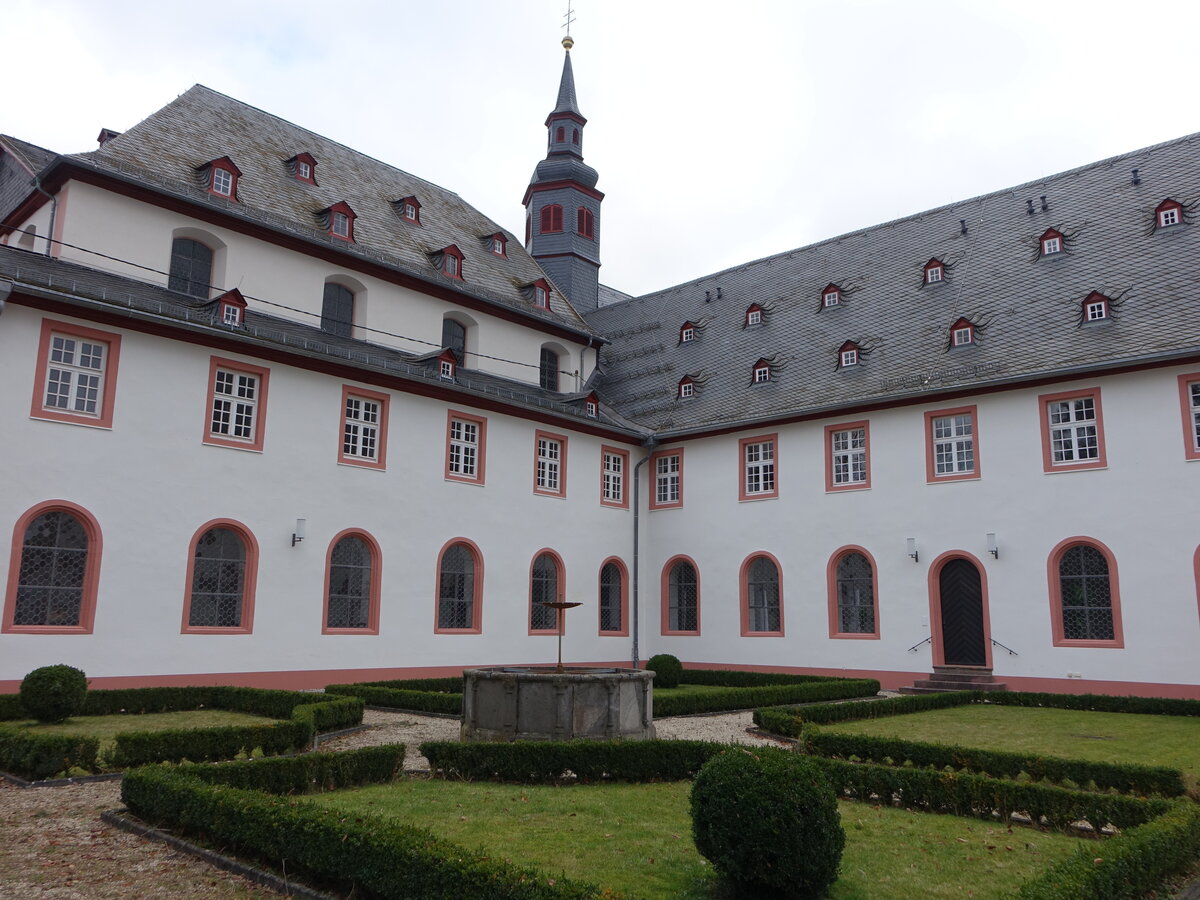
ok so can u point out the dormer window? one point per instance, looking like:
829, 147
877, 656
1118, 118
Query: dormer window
849, 354
540, 293
303, 167
762, 372
687, 333
831, 296
591, 406
687, 388
1168, 213
408, 209
447, 364
935, 271
451, 262
339, 220
498, 244
962, 333
1095, 307
754, 315
340, 225
220, 177
1052, 242
586, 223
231, 308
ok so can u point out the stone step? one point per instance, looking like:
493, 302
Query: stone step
965, 679
935, 686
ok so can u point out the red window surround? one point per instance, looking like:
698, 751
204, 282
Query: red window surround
665, 587
831, 582
91, 572
754, 314
303, 167
498, 244
561, 579
233, 397
339, 220
831, 295
1075, 440
744, 592
231, 308
624, 588
687, 332
585, 223
409, 209
374, 589
847, 464
549, 464
614, 486
352, 417
760, 372
541, 294
1189, 409
476, 626
758, 467
452, 262
249, 579
962, 333
552, 219
67, 341
466, 447
1053, 576
447, 364
666, 474
935, 271
591, 405
954, 442
1051, 242
223, 178
687, 387
1096, 308
1168, 213
849, 354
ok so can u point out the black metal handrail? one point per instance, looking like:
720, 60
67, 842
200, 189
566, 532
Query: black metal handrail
1011, 651
919, 643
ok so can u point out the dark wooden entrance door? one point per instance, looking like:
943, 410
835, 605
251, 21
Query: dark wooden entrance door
962, 614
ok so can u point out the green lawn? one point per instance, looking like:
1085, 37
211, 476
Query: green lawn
688, 689
107, 727
637, 838
1098, 736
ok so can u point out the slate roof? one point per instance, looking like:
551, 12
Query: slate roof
34, 157
1027, 308
201, 125
91, 288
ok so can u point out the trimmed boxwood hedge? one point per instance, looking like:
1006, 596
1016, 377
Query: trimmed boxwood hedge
748, 697
32, 755
360, 854
1125, 867
738, 678
541, 762
1124, 777
1154, 706
402, 698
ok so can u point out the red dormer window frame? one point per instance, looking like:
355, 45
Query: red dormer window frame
585, 223
231, 308
447, 364
410, 210
591, 406
341, 208
1052, 242
687, 387
224, 165
687, 332
304, 160
551, 219
935, 271
452, 262
498, 244
1096, 307
754, 314
956, 333
849, 354
541, 293
831, 296
1168, 213
761, 372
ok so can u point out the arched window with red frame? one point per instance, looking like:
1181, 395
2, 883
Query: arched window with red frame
552, 219
585, 223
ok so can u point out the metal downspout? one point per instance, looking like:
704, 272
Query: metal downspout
37, 183
637, 513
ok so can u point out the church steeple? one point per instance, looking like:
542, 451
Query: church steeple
562, 205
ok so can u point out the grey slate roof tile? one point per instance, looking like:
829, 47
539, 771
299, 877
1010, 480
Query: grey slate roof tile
34, 157
1029, 308
201, 125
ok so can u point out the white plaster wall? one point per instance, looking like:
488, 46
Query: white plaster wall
40, 222
1142, 506
151, 483
387, 313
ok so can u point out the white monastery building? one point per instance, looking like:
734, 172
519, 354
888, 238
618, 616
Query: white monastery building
276, 413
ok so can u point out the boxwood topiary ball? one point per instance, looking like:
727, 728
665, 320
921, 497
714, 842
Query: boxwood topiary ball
768, 822
53, 693
667, 669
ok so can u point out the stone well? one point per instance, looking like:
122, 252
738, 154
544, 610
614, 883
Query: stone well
528, 703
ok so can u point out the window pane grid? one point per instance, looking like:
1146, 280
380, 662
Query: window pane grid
760, 468
1195, 404
954, 445
548, 463
1086, 595
855, 595
360, 436
762, 596
349, 584
53, 568
234, 404
74, 376
666, 479
614, 478
682, 598
464, 447
1073, 432
456, 589
850, 456
218, 572
610, 598
543, 589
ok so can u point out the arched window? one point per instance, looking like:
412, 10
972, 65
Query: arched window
855, 586
612, 598
552, 219
459, 581
585, 223
681, 608
191, 267
560, 134
545, 586
55, 564
1084, 594
761, 609
337, 310
454, 336
548, 370
221, 573
351, 602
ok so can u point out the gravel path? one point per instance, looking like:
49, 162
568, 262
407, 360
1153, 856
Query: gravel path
53, 845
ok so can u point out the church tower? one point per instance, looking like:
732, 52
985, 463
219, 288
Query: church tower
562, 205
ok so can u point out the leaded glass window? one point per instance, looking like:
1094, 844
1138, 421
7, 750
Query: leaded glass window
762, 595
349, 584
548, 370
543, 588
683, 598
218, 580
610, 597
191, 267
456, 588
53, 568
855, 595
1086, 595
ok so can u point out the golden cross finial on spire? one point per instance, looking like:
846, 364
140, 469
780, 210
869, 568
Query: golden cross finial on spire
568, 41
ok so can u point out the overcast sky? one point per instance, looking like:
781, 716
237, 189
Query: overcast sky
723, 132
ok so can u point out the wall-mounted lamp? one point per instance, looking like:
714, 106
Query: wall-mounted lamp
993, 547
912, 549
298, 534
